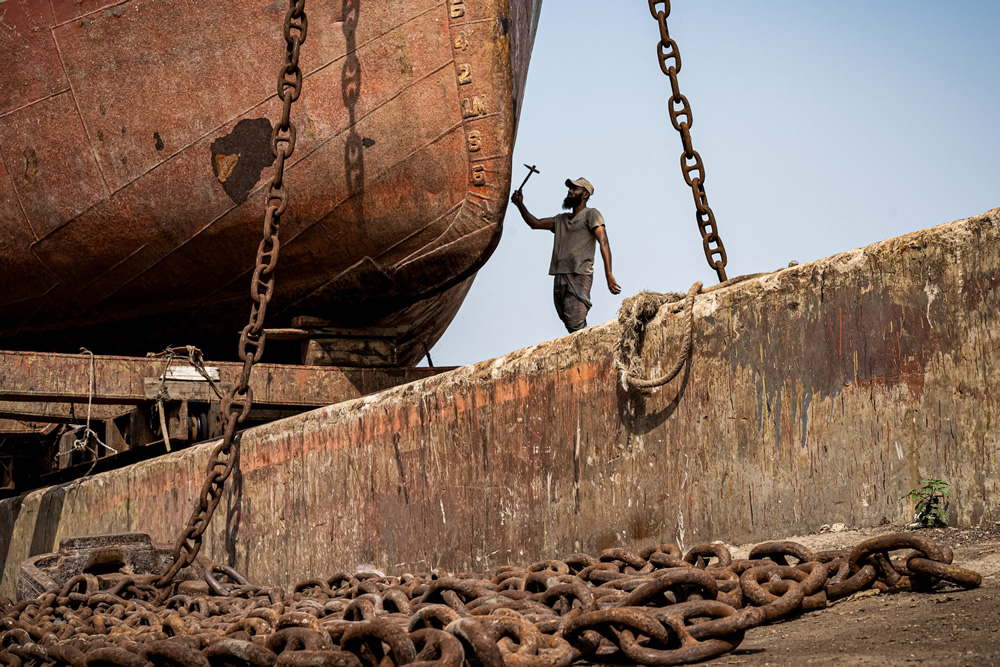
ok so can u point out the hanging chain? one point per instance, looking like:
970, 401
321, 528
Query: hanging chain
691, 165
236, 405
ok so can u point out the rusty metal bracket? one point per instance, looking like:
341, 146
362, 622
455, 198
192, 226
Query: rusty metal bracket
108, 558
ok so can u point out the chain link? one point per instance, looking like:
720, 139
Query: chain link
237, 403
692, 167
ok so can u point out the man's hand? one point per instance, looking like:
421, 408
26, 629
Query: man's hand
613, 285
533, 222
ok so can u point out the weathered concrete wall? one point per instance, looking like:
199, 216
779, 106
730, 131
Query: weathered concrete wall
817, 394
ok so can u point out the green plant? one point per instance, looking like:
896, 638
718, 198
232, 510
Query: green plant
932, 508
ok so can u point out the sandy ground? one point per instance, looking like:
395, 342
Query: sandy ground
948, 626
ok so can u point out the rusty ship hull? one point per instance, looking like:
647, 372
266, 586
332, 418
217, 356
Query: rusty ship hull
135, 143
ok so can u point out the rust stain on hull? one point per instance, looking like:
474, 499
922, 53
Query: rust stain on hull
240, 157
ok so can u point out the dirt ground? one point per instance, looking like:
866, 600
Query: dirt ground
948, 626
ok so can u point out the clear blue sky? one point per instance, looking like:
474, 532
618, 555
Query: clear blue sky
824, 126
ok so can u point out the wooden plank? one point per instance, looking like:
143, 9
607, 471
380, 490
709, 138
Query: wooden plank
56, 413
36, 377
184, 390
371, 352
14, 427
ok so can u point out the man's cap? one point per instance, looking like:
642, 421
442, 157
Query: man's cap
581, 183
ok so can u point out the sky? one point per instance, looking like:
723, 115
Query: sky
823, 127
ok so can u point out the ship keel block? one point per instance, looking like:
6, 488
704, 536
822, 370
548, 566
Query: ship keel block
820, 393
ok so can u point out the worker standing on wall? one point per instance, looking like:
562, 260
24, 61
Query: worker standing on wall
575, 235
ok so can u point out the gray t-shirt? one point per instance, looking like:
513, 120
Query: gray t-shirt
573, 247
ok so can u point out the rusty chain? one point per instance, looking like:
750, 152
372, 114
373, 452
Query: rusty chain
692, 166
236, 405
653, 607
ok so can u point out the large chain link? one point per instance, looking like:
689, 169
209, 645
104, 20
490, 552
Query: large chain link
691, 165
236, 405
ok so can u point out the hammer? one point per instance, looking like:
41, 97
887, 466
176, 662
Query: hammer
531, 170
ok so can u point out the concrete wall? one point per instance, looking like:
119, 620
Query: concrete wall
817, 394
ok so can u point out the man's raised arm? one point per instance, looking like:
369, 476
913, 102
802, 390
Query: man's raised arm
545, 223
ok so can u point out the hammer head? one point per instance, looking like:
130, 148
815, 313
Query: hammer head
531, 170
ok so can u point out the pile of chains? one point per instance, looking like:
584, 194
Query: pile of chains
237, 403
691, 165
656, 607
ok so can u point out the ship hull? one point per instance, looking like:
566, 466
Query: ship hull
135, 139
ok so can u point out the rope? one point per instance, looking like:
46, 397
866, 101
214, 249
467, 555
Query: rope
162, 395
83, 443
638, 311
197, 361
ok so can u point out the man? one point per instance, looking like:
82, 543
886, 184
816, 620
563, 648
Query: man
573, 251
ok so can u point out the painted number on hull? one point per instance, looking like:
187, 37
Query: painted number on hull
478, 174
472, 107
474, 141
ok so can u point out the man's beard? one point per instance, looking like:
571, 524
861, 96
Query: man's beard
571, 202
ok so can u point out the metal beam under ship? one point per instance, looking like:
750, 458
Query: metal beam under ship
136, 150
